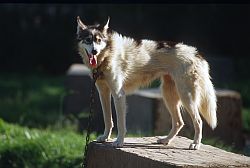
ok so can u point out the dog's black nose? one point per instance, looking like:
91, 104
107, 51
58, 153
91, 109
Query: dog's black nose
94, 52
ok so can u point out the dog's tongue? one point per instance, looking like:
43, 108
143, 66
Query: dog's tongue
92, 60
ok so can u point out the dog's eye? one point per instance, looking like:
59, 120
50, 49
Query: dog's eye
98, 40
88, 40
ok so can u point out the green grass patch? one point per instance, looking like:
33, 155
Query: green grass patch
24, 147
246, 119
32, 100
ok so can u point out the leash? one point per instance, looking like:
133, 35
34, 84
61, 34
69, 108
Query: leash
95, 75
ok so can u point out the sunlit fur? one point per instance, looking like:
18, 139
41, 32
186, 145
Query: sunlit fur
128, 64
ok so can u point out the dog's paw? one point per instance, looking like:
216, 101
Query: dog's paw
117, 143
194, 146
163, 141
102, 138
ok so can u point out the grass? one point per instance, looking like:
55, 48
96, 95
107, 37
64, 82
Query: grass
25, 147
31, 100
246, 119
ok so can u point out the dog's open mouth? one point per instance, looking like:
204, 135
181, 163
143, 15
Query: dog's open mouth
92, 59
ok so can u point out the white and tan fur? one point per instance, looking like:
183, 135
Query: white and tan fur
127, 64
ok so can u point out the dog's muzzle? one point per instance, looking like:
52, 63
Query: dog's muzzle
92, 59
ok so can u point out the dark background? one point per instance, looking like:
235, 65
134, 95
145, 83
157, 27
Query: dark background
41, 37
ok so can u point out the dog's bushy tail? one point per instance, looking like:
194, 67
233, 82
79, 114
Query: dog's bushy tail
208, 101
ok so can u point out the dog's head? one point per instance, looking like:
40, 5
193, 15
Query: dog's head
92, 40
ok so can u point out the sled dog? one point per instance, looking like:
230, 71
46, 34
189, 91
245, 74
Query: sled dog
127, 64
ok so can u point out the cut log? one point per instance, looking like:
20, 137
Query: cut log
145, 153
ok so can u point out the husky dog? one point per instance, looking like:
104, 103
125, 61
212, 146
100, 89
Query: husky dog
127, 64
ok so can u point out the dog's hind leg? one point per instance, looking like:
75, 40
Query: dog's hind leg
105, 98
189, 95
172, 102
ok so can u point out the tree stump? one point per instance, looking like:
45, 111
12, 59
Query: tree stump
144, 153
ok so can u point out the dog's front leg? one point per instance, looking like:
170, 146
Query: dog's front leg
105, 98
120, 106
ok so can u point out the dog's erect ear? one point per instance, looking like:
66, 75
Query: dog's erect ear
105, 28
80, 25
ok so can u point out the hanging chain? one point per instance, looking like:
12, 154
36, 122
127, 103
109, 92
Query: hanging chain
95, 75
